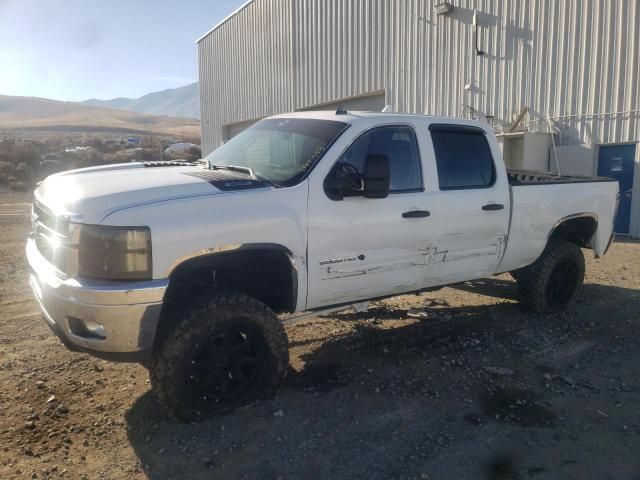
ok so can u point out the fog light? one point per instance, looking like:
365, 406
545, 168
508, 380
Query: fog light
88, 329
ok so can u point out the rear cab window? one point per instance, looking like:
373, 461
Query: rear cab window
463, 157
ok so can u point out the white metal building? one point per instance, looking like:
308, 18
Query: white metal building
558, 79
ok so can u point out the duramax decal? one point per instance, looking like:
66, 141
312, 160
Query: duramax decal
341, 260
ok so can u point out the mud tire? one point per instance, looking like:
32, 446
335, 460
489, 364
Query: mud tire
207, 325
553, 280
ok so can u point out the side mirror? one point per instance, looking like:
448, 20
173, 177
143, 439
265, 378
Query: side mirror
376, 176
343, 181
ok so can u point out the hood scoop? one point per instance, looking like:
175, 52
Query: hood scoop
166, 163
228, 180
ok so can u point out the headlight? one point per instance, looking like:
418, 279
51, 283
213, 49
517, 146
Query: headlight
114, 253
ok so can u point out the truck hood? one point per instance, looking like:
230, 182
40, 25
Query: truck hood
88, 195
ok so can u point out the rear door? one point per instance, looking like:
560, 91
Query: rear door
471, 212
359, 247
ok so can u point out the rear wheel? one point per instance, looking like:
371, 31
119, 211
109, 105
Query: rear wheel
552, 281
226, 352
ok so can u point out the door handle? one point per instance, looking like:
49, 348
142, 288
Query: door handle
493, 206
416, 214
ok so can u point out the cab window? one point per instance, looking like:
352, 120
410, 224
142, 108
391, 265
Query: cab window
399, 144
463, 157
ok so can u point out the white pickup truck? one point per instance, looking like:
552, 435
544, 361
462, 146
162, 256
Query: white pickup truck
183, 267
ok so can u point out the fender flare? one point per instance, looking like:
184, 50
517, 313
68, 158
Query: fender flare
573, 216
244, 247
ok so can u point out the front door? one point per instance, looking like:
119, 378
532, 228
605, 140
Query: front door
360, 248
618, 161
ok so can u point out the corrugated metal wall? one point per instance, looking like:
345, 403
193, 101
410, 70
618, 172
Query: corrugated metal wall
246, 68
577, 61
555, 57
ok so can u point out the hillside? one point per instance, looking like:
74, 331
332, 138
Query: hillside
175, 102
42, 115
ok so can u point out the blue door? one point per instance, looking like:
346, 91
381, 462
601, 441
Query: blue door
617, 161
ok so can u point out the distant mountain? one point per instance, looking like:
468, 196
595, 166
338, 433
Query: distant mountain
175, 102
43, 115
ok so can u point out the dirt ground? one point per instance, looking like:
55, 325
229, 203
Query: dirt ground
477, 390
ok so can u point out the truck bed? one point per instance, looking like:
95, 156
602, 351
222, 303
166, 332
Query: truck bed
531, 177
535, 211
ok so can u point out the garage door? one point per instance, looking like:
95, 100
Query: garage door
235, 128
368, 103
365, 103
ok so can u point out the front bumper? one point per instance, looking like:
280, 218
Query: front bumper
111, 320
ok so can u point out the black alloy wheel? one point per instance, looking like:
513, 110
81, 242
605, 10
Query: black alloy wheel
229, 365
562, 283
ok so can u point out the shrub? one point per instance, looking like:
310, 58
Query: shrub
22, 171
96, 143
18, 186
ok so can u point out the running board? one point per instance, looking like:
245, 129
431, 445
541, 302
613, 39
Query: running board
357, 307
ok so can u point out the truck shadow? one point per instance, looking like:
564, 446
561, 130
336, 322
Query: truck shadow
355, 409
490, 287
590, 293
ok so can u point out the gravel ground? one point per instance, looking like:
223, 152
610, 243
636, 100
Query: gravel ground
476, 389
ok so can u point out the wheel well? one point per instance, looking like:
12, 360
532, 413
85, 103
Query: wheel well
266, 274
578, 230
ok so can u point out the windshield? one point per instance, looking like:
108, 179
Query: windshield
278, 150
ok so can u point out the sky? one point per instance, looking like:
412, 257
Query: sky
80, 49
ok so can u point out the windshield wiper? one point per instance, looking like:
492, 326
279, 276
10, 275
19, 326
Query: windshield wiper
249, 171
235, 168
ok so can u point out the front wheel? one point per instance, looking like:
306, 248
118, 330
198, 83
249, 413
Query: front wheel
225, 352
552, 281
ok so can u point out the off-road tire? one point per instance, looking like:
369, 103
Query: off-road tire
536, 281
199, 321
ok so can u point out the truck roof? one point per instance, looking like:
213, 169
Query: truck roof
354, 117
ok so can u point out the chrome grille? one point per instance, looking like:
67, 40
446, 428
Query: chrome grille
43, 216
53, 239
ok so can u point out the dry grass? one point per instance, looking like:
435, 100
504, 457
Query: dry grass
22, 114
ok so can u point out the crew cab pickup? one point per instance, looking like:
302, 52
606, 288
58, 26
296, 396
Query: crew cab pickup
183, 267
